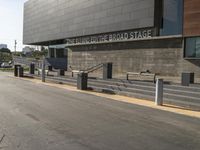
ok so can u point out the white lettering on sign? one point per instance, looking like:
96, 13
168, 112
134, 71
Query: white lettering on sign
121, 36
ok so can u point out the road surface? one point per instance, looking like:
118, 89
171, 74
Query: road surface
34, 116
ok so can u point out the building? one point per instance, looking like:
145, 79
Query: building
162, 36
3, 46
27, 50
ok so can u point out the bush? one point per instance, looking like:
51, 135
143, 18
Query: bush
5, 50
5, 57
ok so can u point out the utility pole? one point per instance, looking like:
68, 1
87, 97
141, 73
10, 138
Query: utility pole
15, 46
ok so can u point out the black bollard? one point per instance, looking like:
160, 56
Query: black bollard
82, 81
20, 71
61, 72
50, 68
107, 71
32, 68
187, 78
16, 70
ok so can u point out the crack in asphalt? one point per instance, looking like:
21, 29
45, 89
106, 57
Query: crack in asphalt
2, 138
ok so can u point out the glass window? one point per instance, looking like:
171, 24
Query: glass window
192, 47
51, 52
57, 51
172, 22
60, 53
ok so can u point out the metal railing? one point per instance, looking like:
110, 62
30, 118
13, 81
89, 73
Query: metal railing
88, 70
95, 68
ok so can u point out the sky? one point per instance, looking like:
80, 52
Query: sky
11, 23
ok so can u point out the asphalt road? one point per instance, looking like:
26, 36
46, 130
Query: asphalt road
38, 117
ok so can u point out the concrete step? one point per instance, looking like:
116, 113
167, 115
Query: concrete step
148, 85
64, 80
182, 98
61, 82
123, 82
146, 89
104, 83
192, 87
182, 93
124, 93
177, 95
123, 87
112, 82
186, 105
183, 88
173, 94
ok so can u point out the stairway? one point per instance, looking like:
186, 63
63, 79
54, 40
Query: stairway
188, 97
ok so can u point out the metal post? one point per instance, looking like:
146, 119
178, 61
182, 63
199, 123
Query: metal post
43, 70
20, 71
159, 92
16, 70
187, 78
32, 68
82, 81
50, 68
15, 47
107, 71
61, 72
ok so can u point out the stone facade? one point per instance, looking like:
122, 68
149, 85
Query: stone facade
159, 56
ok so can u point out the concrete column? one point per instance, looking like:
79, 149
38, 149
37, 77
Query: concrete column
159, 92
50, 68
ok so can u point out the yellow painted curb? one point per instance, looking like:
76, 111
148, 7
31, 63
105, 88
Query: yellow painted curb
146, 103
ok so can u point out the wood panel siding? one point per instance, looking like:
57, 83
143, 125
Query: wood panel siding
191, 18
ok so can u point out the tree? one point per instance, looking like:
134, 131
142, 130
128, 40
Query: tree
5, 57
44, 51
5, 50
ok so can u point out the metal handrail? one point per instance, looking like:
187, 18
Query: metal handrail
70, 67
89, 70
94, 68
